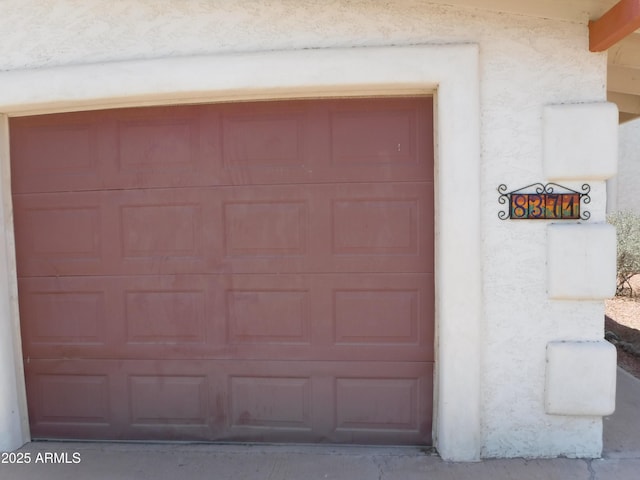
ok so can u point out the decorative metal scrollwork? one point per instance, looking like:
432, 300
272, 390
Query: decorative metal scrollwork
540, 201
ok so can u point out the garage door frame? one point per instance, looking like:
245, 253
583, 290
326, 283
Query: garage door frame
450, 72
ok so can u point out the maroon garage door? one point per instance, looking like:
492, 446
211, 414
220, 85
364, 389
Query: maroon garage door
253, 272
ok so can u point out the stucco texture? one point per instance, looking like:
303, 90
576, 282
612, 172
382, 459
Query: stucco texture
627, 193
525, 64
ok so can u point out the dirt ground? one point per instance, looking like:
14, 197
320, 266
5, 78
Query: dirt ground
622, 327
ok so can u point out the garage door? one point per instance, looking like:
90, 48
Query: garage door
253, 272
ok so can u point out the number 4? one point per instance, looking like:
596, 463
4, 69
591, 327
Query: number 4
571, 205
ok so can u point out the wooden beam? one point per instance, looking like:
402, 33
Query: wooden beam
621, 20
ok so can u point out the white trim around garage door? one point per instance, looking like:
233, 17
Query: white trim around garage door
450, 72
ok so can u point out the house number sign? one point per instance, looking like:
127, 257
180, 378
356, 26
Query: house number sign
540, 201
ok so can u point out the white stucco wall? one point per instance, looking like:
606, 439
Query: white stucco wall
626, 185
525, 64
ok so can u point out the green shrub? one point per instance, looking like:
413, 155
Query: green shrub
628, 230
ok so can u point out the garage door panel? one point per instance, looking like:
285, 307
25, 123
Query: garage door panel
268, 316
233, 400
252, 143
275, 400
70, 317
260, 271
66, 403
352, 399
265, 228
158, 145
154, 148
357, 227
155, 152
122, 317
270, 402
63, 398
386, 317
114, 233
374, 316
66, 317
161, 231
260, 140
170, 316
56, 153
116, 317
264, 144
162, 316
353, 228
168, 400
381, 227
57, 233
354, 316
393, 402
122, 392
389, 137
393, 407
305, 317
171, 230
373, 137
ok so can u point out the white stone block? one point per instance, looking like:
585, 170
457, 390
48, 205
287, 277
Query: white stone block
580, 378
581, 261
580, 141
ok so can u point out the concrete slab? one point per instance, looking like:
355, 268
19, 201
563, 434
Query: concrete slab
622, 429
513, 469
113, 461
616, 469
